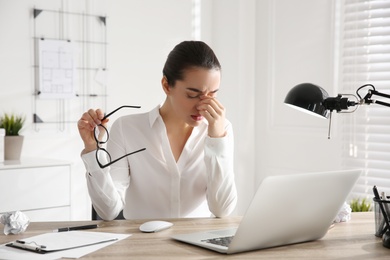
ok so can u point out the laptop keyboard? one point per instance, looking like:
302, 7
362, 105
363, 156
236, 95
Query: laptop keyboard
221, 241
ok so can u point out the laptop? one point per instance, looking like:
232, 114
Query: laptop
285, 210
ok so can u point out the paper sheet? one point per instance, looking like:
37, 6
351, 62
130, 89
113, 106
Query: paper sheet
57, 69
61, 240
101, 77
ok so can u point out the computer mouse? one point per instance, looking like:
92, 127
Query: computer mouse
155, 226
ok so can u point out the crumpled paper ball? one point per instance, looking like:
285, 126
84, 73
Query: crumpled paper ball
344, 213
14, 222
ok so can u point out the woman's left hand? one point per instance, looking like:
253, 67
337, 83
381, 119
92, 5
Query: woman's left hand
214, 112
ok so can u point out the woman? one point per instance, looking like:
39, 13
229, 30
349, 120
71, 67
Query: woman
189, 147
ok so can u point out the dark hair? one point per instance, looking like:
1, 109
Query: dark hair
189, 54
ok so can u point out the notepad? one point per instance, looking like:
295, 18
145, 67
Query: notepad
72, 244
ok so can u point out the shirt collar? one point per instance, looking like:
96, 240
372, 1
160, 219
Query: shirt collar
154, 115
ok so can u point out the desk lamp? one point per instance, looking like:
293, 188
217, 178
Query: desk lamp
315, 100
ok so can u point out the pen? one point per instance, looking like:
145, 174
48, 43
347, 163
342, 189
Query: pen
75, 228
381, 229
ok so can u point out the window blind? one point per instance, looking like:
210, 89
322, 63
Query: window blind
365, 59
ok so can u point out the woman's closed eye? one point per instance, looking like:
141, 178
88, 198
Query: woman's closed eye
193, 95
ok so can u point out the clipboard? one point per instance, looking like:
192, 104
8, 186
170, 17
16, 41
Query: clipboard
54, 242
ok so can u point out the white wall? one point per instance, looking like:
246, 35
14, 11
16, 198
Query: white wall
265, 48
139, 35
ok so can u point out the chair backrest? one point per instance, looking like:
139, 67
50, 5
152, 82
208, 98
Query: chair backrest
95, 216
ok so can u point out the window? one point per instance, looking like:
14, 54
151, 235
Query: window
365, 58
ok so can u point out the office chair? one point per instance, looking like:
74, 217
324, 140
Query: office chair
95, 216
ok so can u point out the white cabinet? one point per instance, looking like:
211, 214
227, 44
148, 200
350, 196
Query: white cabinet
40, 188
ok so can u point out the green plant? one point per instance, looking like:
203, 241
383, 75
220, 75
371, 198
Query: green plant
12, 123
358, 205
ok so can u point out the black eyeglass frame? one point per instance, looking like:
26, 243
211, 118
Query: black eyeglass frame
98, 142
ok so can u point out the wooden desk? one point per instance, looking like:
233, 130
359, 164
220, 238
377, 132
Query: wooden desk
350, 240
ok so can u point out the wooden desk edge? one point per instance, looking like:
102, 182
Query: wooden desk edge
354, 238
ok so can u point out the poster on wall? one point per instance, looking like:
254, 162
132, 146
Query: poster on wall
57, 69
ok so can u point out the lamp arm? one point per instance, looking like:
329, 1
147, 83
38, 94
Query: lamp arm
367, 99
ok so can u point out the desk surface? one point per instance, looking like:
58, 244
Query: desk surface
353, 239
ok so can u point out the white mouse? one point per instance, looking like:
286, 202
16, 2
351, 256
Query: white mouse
155, 226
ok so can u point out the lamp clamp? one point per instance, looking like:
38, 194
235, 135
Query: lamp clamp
337, 103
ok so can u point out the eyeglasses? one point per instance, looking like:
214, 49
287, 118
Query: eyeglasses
101, 137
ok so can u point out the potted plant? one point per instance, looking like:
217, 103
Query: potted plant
358, 205
13, 142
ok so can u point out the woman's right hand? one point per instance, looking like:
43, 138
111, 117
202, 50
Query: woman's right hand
88, 121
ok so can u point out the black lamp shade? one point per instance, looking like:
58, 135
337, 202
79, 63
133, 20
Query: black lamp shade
308, 98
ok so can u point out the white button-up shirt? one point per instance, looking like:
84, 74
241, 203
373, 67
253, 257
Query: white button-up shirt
151, 184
